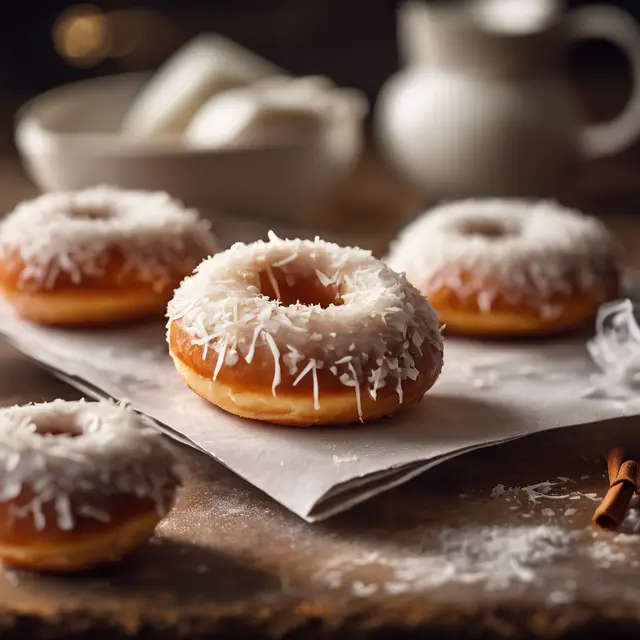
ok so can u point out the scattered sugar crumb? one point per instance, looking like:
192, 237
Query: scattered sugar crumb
570, 512
495, 557
548, 512
534, 492
333, 579
363, 590
605, 555
585, 477
497, 491
543, 491
633, 520
351, 458
396, 588
12, 578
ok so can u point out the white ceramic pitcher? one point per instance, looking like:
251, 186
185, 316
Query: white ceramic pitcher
483, 107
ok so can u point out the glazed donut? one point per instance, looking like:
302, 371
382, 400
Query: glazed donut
83, 484
98, 256
301, 332
508, 268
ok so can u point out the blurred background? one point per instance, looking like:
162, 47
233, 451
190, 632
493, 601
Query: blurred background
46, 43
354, 42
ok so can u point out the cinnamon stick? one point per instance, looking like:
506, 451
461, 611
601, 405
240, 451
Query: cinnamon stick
624, 479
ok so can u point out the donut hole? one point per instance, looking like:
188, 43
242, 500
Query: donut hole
89, 212
486, 228
58, 426
291, 289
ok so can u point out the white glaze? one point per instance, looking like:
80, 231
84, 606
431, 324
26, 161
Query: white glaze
113, 453
371, 340
153, 232
545, 247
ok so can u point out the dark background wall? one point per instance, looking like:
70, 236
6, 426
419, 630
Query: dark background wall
43, 44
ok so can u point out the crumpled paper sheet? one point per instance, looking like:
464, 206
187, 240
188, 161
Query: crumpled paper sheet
488, 393
615, 349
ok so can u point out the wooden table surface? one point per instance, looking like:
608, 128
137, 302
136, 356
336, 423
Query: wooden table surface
229, 562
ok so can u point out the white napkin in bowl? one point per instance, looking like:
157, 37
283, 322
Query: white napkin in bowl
273, 111
203, 67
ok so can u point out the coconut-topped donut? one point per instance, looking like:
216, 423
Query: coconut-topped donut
80, 483
509, 267
98, 256
303, 332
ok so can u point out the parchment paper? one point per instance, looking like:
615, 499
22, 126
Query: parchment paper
488, 393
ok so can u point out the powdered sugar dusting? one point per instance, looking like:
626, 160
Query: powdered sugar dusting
395, 559
494, 556
525, 252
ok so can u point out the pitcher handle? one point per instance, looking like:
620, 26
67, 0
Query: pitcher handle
617, 26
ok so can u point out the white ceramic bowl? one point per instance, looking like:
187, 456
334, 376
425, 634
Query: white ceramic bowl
68, 139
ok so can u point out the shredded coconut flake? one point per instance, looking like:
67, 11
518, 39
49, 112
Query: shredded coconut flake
221, 357
325, 280
112, 452
221, 304
495, 557
527, 252
310, 365
273, 281
534, 493
276, 361
316, 391
72, 232
356, 386
281, 263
